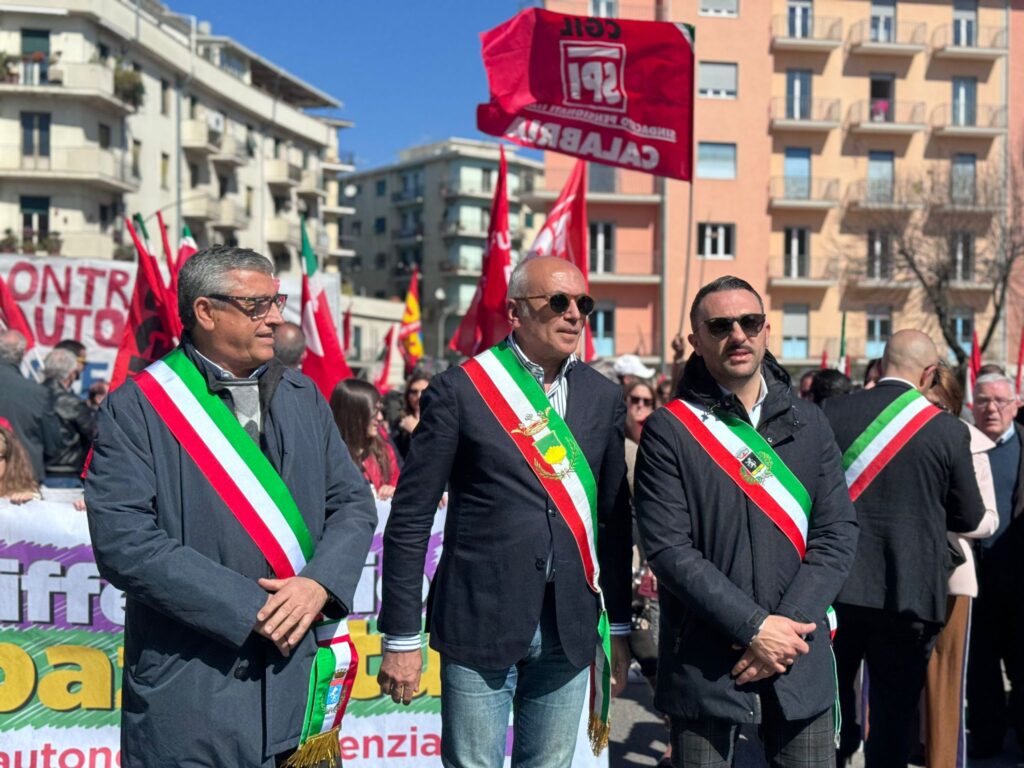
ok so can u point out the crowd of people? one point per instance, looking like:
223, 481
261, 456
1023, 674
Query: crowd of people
830, 565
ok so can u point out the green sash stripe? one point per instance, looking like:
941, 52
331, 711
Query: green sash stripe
877, 426
249, 452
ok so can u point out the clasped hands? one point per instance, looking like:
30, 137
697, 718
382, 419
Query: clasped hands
292, 606
773, 650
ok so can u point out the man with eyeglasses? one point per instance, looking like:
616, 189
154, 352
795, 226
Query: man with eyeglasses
744, 518
533, 586
910, 474
997, 620
223, 502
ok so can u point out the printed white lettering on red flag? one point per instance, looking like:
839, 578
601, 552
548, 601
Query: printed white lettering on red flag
613, 91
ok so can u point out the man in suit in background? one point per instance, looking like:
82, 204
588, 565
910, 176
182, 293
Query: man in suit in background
997, 623
909, 470
512, 610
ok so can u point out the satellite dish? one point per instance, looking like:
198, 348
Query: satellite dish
350, 190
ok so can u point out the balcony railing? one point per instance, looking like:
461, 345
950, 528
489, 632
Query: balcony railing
884, 34
106, 167
965, 39
883, 115
281, 172
407, 232
196, 135
453, 188
976, 119
283, 230
801, 29
883, 193
804, 110
802, 269
407, 195
200, 203
232, 151
803, 192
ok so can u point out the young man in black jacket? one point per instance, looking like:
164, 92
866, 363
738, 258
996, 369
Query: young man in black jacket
745, 519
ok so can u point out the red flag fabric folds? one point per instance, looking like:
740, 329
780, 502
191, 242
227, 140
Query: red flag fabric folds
614, 91
11, 316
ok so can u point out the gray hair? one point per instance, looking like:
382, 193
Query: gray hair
206, 272
59, 364
518, 283
992, 378
12, 347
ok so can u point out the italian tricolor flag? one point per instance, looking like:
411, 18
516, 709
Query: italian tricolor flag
324, 362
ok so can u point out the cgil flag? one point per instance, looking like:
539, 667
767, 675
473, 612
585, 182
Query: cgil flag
486, 322
973, 367
613, 91
324, 362
564, 235
410, 334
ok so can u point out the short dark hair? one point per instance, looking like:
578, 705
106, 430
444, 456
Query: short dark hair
828, 382
73, 346
724, 283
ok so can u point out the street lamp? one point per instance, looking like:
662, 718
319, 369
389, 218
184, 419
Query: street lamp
443, 315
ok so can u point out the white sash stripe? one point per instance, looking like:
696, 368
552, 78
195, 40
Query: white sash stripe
229, 459
522, 408
884, 437
736, 447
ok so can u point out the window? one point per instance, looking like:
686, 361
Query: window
35, 134
716, 161
880, 177
719, 7
799, 15
879, 318
193, 108
961, 256
602, 330
103, 52
380, 261
602, 246
606, 9
382, 187
193, 175
882, 103
879, 256
165, 97
357, 229
965, 101
965, 22
600, 177
795, 340
104, 136
223, 186
136, 157
106, 216
248, 201
380, 224
795, 249
883, 21
281, 205
798, 94
797, 173
35, 221
714, 240
962, 176
716, 80
35, 52
962, 320
165, 171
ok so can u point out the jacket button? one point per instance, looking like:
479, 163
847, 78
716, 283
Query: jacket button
242, 670
541, 563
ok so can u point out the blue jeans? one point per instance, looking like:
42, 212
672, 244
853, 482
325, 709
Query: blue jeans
51, 481
548, 695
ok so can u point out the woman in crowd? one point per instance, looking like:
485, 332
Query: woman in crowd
401, 431
640, 404
17, 483
945, 740
357, 412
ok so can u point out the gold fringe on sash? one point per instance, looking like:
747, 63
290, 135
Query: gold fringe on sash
598, 731
318, 749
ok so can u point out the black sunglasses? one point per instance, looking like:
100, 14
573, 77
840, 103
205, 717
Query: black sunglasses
559, 302
637, 400
254, 307
720, 327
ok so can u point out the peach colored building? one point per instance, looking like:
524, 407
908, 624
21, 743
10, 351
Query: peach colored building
829, 134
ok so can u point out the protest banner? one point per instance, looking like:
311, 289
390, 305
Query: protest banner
61, 655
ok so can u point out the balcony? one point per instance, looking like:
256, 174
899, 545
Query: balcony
802, 193
883, 36
539, 198
233, 151
107, 169
966, 42
408, 196
77, 80
409, 232
805, 351
283, 231
343, 247
882, 116
968, 196
311, 184
200, 204
879, 274
884, 195
804, 115
799, 271
337, 211
466, 189
282, 173
968, 121
814, 34
342, 162
198, 138
231, 215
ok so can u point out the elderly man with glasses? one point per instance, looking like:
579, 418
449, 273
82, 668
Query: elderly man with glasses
223, 502
533, 586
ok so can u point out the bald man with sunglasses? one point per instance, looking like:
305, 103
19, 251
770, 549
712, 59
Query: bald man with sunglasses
744, 517
533, 587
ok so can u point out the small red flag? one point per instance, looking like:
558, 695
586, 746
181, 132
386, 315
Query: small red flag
1020, 359
346, 330
973, 367
387, 358
11, 316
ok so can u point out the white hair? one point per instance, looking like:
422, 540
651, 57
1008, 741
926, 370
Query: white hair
992, 378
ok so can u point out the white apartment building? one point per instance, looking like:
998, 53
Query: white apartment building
113, 107
432, 209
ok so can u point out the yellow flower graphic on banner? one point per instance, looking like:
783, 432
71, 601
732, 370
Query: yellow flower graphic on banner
554, 455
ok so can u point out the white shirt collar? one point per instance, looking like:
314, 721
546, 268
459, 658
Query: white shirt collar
224, 375
755, 412
1006, 435
535, 370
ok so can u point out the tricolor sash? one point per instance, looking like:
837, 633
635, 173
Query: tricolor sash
524, 412
883, 439
252, 489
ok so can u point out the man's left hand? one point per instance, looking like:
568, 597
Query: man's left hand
620, 663
291, 608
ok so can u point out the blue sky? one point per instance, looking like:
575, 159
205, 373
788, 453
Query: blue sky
407, 72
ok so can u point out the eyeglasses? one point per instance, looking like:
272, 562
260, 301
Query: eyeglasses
720, 327
559, 302
645, 401
998, 402
254, 307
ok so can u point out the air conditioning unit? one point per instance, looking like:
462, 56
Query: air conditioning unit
215, 120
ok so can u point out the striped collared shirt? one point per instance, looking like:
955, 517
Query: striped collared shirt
558, 392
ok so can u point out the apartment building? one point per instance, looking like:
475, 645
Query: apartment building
431, 209
110, 107
830, 136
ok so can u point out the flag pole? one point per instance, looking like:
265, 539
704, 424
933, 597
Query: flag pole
689, 205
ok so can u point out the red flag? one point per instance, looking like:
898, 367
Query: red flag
381, 382
564, 235
410, 333
615, 91
1020, 359
346, 330
824, 358
973, 368
324, 362
486, 323
11, 316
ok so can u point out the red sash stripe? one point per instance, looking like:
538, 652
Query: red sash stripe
900, 439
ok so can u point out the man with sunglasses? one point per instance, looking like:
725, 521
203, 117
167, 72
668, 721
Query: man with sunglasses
530, 442
222, 500
744, 518
910, 474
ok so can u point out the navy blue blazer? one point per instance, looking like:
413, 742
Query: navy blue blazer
486, 598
